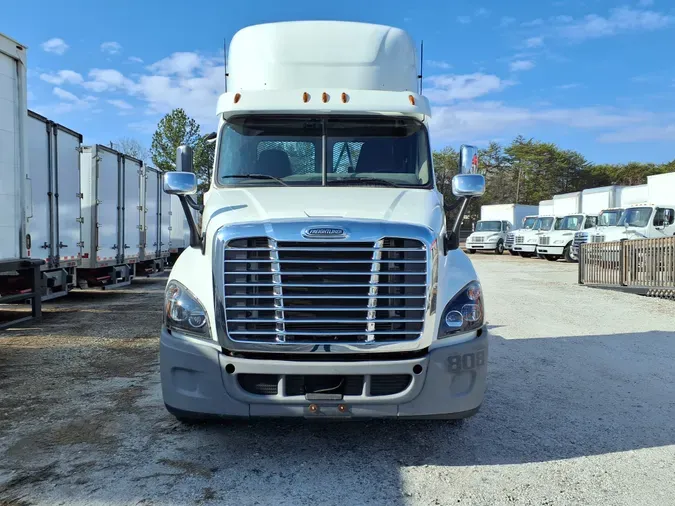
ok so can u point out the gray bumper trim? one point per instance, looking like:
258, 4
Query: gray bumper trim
195, 383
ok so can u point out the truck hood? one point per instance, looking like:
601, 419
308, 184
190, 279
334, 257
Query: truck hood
244, 205
618, 233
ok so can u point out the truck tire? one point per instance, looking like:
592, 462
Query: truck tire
567, 254
499, 250
471, 251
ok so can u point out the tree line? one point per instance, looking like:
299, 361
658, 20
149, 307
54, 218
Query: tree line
526, 171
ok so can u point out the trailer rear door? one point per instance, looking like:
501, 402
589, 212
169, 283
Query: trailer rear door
68, 211
107, 201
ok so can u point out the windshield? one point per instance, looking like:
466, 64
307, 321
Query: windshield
635, 217
489, 226
317, 151
572, 222
543, 223
528, 224
609, 218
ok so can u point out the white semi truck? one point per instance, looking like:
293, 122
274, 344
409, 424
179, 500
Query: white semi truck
557, 243
496, 221
325, 281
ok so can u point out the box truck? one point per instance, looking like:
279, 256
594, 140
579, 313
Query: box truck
19, 274
525, 240
325, 282
54, 162
546, 208
150, 258
496, 221
111, 217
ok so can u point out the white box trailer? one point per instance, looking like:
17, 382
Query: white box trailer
19, 274
596, 200
546, 208
111, 211
631, 195
54, 162
661, 189
513, 213
566, 204
151, 261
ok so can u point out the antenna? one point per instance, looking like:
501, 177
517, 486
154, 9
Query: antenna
225, 60
421, 76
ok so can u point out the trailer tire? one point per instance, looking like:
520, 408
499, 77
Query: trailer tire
499, 250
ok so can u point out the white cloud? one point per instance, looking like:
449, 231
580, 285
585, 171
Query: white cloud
645, 133
620, 20
533, 42
135, 59
490, 119
108, 80
62, 76
439, 64
121, 104
568, 86
178, 63
55, 45
464, 20
69, 102
111, 47
534, 22
520, 65
449, 88
482, 12
507, 20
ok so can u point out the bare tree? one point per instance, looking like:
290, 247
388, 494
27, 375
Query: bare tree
132, 147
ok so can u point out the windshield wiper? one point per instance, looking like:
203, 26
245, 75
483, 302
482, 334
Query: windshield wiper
256, 176
362, 180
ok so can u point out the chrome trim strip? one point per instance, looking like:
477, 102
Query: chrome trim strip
278, 291
290, 231
373, 290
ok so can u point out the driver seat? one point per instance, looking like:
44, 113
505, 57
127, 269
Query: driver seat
273, 162
377, 155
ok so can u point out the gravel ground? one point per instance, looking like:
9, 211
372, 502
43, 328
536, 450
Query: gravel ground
580, 409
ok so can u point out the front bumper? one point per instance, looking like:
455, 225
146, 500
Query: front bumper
482, 245
200, 379
525, 248
551, 250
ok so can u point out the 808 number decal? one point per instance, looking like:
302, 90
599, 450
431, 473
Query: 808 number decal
467, 361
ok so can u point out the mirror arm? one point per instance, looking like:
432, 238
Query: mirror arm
451, 240
193, 204
195, 240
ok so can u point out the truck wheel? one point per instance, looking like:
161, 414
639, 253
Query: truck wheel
567, 254
514, 253
471, 251
500, 248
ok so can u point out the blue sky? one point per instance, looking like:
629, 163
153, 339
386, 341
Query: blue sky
591, 75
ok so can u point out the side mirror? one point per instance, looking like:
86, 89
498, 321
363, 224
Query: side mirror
180, 183
468, 159
184, 159
468, 185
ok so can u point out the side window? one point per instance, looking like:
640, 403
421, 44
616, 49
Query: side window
591, 221
664, 217
301, 155
345, 156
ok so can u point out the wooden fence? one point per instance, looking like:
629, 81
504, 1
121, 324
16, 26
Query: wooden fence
645, 265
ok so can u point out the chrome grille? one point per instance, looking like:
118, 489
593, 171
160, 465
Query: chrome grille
510, 239
325, 292
520, 239
579, 239
478, 239
544, 240
598, 238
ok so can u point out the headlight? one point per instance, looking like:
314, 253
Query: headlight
464, 312
183, 312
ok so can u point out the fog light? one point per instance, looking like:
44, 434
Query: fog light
454, 319
471, 312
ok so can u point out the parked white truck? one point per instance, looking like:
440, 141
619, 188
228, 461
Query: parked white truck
528, 224
496, 221
325, 281
557, 243
525, 241
602, 202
